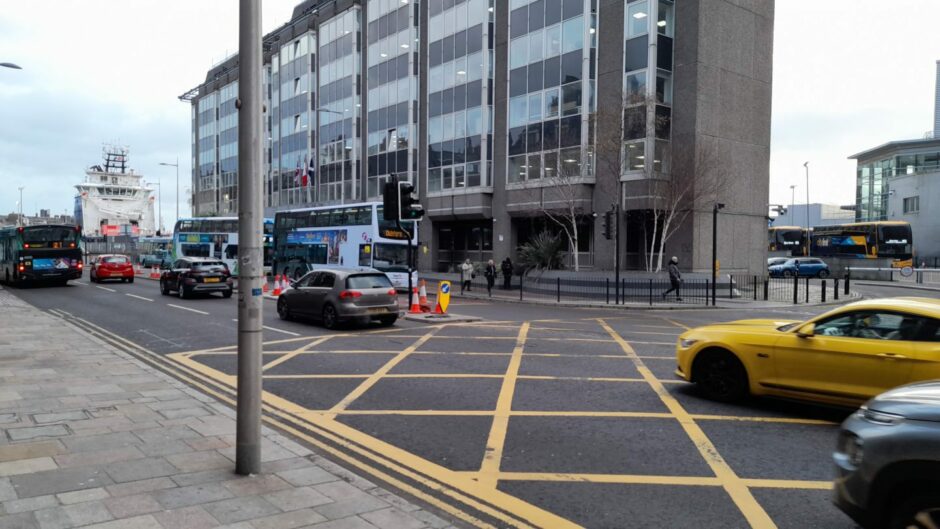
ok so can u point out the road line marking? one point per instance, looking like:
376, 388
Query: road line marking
138, 297
291, 354
82, 283
497, 438
677, 324
611, 478
105, 288
186, 308
375, 377
788, 484
731, 482
275, 329
781, 420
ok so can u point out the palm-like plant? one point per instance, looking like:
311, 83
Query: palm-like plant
544, 252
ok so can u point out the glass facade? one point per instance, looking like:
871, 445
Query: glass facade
873, 179
392, 92
552, 54
292, 95
206, 180
460, 95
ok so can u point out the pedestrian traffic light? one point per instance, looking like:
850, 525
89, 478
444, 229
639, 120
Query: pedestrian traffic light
390, 199
608, 224
408, 205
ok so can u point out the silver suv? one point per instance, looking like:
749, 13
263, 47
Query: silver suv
888, 460
337, 295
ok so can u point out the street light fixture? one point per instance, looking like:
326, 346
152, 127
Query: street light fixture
159, 204
718, 206
177, 166
11, 65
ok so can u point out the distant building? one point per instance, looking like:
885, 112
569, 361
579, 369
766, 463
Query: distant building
915, 197
936, 105
819, 215
45, 217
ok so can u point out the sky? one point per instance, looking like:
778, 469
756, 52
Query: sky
848, 75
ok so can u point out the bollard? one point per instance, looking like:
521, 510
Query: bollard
707, 291
521, 285
766, 289
835, 288
848, 276
623, 291
807, 290
607, 288
822, 297
796, 290
754, 288
558, 288
651, 292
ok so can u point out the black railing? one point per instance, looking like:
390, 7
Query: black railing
794, 290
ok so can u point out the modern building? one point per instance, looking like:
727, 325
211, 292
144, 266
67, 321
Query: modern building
936, 105
508, 114
878, 168
819, 215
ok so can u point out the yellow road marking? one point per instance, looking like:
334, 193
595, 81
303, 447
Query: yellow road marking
781, 420
291, 354
375, 377
610, 478
497, 438
733, 485
677, 324
788, 484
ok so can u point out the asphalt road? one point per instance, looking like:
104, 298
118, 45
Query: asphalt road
558, 417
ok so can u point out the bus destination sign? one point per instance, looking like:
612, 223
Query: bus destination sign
393, 233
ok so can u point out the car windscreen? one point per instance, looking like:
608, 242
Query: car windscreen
115, 259
210, 267
360, 281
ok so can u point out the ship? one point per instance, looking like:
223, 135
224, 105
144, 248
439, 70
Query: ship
114, 202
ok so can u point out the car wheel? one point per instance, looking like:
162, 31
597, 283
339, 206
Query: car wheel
181, 290
720, 375
164, 288
330, 317
787, 273
388, 321
823, 274
920, 512
227, 294
130, 280
282, 310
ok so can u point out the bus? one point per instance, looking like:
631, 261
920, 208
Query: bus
46, 253
866, 240
154, 251
217, 237
346, 235
790, 239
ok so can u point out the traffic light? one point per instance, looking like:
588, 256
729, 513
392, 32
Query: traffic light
390, 199
608, 224
408, 205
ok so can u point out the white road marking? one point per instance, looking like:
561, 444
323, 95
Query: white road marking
79, 283
281, 330
186, 308
138, 297
105, 288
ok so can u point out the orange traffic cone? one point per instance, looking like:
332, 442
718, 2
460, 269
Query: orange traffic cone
277, 285
423, 298
285, 284
415, 307
264, 287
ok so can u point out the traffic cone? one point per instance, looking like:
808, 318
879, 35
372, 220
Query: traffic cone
277, 285
437, 309
423, 298
415, 307
154, 274
264, 287
285, 284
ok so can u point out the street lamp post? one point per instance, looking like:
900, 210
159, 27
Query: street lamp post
809, 247
21, 205
177, 166
715, 209
792, 199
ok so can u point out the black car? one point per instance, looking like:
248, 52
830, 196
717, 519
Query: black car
191, 275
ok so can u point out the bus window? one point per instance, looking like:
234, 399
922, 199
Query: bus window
363, 216
194, 250
231, 252
365, 255
390, 257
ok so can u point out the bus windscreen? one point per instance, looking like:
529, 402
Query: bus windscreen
895, 241
50, 237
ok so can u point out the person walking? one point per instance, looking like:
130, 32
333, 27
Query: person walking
466, 275
490, 275
675, 278
507, 273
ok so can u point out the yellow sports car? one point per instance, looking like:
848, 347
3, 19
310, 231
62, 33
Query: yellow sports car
842, 357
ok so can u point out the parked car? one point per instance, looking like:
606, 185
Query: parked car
191, 275
888, 460
800, 266
774, 261
335, 295
158, 259
111, 266
844, 356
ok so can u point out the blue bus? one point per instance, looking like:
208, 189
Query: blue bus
46, 253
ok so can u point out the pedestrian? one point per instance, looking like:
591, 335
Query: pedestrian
675, 278
506, 268
490, 275
466, 275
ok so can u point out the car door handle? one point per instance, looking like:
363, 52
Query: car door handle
890, 355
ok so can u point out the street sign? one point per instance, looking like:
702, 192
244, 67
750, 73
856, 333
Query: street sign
443, 296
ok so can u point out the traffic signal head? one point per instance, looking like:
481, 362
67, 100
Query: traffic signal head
390, 199
408, 205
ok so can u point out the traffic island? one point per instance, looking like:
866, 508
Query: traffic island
433, 318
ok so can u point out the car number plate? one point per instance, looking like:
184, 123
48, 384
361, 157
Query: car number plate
212, 280
377, 310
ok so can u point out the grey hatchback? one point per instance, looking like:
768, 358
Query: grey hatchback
888, 460
339, 295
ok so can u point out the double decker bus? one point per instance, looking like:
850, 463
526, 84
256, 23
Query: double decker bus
346, 235
866, 240
46, 253
216, 237
792, 239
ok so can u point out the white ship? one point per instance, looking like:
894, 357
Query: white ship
114, 201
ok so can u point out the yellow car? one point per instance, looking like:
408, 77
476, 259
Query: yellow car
842, 357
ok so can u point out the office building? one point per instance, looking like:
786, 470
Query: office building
507, 113
819, 215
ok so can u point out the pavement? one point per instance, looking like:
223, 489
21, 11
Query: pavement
91, 436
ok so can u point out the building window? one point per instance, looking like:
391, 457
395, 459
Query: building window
637, 18
912, 205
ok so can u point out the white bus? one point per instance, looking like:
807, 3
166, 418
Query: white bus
216, 237
346, 235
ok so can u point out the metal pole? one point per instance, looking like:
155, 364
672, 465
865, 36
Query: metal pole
250, 227
714, 252
21, 207
177, 189
617, 257
410, 260
809, 247
159, 204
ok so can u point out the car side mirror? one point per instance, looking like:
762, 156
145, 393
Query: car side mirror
807, 331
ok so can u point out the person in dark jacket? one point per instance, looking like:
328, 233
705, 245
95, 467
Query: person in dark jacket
490, 275
675, 278
506, 267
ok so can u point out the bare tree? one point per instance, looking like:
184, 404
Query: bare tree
561, 200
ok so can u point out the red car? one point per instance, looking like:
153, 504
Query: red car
111, 267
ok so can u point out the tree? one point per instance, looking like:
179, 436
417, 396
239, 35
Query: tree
561, 201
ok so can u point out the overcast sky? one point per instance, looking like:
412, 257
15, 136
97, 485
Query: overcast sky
848, 75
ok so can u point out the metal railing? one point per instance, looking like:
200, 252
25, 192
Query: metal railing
793, 290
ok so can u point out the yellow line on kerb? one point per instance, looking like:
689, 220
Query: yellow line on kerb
497, 438
375, 377
735, 487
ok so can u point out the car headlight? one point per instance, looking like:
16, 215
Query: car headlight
879, 417
685, 343
851, 445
